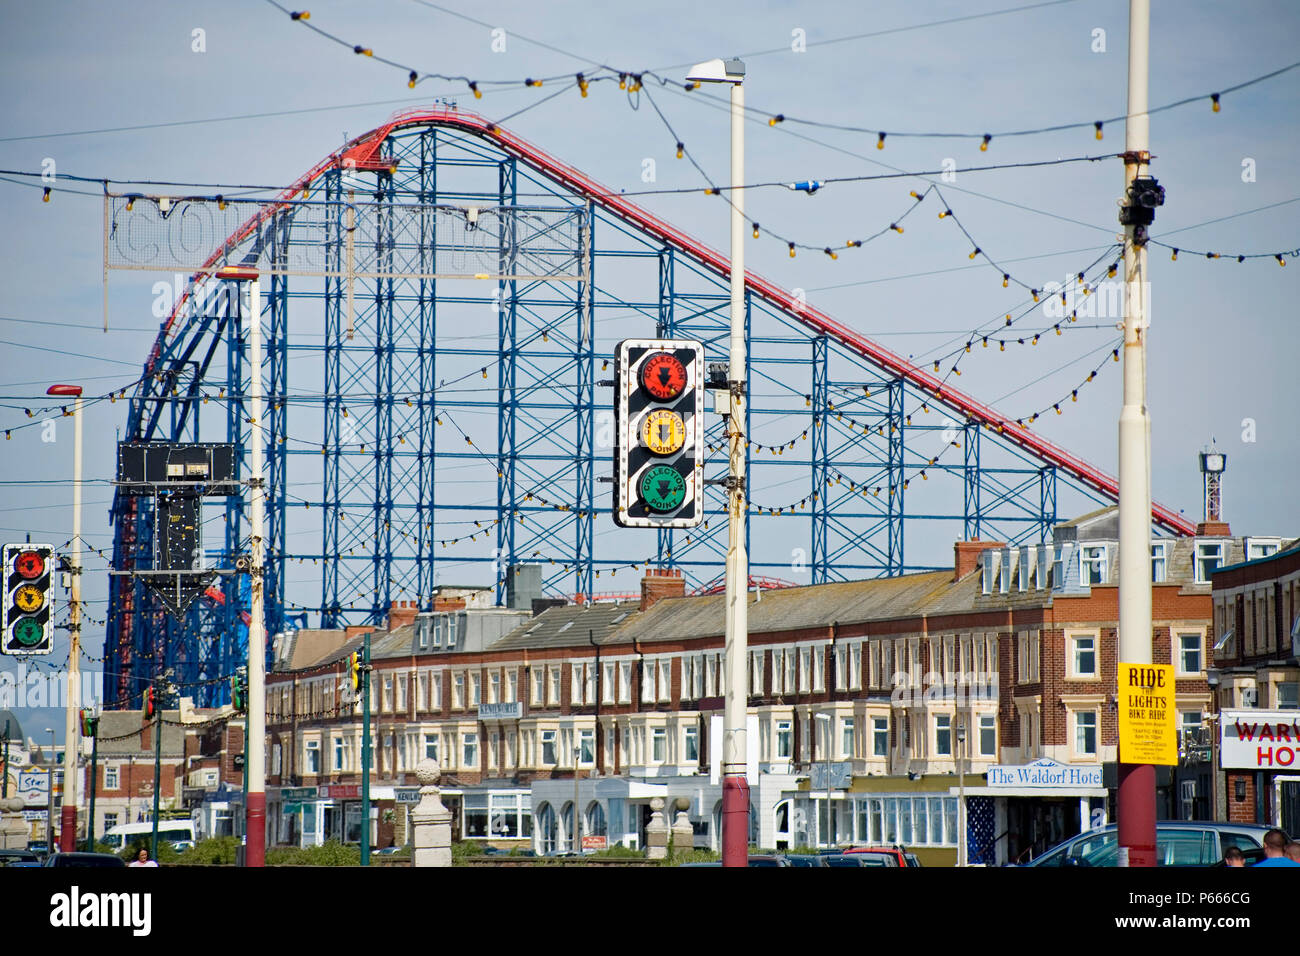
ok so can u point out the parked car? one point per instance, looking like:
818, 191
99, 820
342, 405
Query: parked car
858, 859
84, 859
806, 859
768, 859
1178, 843
896, 853
19, 858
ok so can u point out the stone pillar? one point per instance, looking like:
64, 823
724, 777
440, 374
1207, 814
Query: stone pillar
683, 832
656, 831
430, 820
14, 830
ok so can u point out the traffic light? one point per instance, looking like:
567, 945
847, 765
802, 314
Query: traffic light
354, 670
89, 723
239, 692
659, 427
148, 703
26, 618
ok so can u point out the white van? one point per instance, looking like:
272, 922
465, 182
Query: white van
179, 833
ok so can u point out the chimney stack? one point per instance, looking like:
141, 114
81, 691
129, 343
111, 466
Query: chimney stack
660, 583
966, 555
401, 614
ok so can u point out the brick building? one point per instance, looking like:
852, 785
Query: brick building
1256, 651
914, 689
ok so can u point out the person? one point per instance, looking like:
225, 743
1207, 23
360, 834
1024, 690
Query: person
1293, 851
142, 859
1233, 856
1275, 842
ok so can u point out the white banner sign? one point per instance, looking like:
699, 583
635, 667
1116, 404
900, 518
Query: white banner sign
1259, 739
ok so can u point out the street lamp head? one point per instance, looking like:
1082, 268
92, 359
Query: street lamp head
65, 391
718, 71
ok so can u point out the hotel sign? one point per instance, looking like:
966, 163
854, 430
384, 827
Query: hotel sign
1045, 773
1259, 739
512, 710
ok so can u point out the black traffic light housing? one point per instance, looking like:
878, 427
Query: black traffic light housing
26, 614
1145, 195
659, 428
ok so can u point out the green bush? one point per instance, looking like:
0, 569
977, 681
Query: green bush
165, 852
210, 852
463, 849
620, 852
329, 853
692, 856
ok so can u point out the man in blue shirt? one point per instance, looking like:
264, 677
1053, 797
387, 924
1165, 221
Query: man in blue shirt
1275, 842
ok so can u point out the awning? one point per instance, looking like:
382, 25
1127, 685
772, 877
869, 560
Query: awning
1030, 792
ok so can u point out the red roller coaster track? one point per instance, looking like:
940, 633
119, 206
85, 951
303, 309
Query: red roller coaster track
364, 151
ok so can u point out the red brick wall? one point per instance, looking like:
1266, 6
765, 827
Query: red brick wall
1241, 811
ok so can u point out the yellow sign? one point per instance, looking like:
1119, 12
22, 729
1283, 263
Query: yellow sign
663, 431
1148, 721
29, 598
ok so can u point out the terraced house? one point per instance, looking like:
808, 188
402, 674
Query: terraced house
976, 700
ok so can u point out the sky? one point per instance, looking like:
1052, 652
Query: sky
168, 91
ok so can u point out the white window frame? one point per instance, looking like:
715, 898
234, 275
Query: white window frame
112, 777
494, 686
475, 688
1072, 655
819, 669
431, 750
625, 682
435, 691
943, 725
512, 685
1266, 547
1179, 669
659, 744
755, 673
783, 739
608, 682
309, 748
458, 691
589, 684
987, 722
469, 749
848, 738
1075, 715
691, 742
879, 729
548, 740
553, 685
537, 685
1203, 553
1093, 557
337, 750
587, 746
665, 679
1160, 560
575, 684
648, 670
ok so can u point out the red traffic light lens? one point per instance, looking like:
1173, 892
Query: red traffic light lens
29, 565
663, 375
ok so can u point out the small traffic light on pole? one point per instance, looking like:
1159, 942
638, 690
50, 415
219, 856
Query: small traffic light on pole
239, 692
26, 619
659, 427
148, 702
354, 670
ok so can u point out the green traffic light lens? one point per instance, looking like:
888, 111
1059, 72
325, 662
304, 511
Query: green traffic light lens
662, 488
28, 632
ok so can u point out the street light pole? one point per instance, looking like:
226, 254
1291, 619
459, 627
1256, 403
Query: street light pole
962, 849
577, 838
827, 720
255, 722
71, 739
735, 767
49, 811
1136, 796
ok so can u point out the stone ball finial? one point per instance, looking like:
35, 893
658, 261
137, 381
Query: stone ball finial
427, 772
13, 804
657, 804
682, 804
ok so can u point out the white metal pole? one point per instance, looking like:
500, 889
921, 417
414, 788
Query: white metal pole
1136, 797
255, 839
735, 817
71, 726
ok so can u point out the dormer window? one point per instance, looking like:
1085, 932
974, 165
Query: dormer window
1092, 564
1210, 556
1159, 562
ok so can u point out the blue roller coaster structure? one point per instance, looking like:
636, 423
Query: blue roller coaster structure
439, 301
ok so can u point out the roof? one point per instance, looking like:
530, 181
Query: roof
15, 727
573, 624
120, 734
790, 609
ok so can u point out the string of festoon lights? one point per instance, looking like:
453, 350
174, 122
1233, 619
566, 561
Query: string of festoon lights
632, 81
983, 334
837, 477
